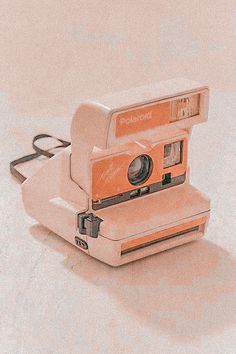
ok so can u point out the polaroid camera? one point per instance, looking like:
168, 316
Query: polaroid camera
121, 191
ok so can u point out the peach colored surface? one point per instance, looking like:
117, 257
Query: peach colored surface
161, 113
55, 299
161, 234
57, 53
108, 178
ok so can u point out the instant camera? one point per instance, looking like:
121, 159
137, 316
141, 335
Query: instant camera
121, 190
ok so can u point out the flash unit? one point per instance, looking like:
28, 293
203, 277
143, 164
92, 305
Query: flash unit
121, 190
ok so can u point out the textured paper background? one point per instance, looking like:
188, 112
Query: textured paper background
55, 299
57, 53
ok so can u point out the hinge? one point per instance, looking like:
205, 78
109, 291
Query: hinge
89, 224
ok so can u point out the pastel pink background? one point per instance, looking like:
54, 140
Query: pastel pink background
55, 299
57, 53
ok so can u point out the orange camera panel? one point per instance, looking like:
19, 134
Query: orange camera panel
110, 172
148, 116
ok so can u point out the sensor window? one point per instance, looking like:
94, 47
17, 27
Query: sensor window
173, 154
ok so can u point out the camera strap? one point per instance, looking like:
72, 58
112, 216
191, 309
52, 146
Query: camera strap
38, 152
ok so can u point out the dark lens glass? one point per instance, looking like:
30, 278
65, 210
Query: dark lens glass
140, 169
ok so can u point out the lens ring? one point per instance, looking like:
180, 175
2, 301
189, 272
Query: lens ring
140, 169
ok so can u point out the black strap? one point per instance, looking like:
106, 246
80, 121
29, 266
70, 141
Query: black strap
39, 152
44, 152
16, 162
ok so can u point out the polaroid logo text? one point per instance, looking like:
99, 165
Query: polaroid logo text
136, 118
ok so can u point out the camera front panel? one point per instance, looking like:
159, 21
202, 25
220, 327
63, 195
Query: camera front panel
138, 169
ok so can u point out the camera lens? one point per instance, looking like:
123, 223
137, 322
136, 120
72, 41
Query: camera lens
140, 169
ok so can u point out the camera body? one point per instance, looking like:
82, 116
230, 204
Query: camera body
121, 191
